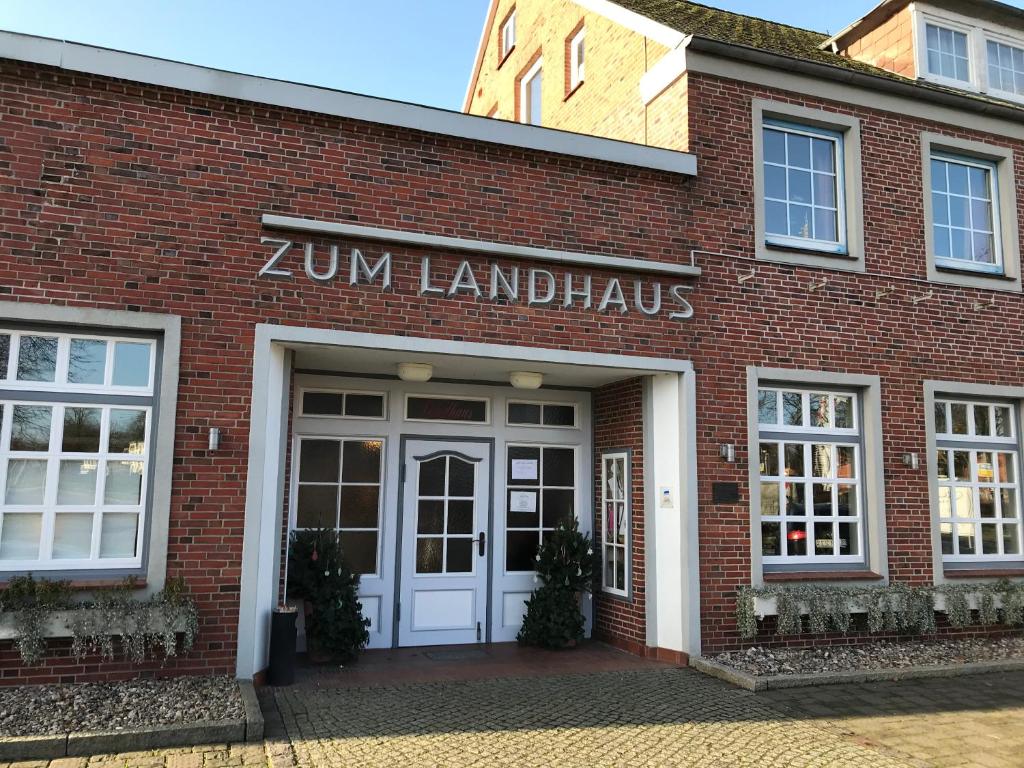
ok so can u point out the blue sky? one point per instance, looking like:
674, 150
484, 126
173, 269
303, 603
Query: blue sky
412, 50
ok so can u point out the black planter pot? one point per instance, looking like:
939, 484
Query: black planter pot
282, 647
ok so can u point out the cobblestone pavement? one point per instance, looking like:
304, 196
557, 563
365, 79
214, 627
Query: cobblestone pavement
626, 718
637, 717
975, 721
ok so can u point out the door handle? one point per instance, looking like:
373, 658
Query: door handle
482, 542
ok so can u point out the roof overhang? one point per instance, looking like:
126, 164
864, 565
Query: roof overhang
103, 62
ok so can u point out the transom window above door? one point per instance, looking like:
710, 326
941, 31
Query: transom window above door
344, 404
528, 414
803, 187
472, 410
339, 488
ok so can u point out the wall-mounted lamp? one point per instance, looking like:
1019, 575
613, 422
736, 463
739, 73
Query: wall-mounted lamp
214, 442
910, 460
417, 372
526, 380
727, 451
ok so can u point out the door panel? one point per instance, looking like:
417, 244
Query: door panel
445, 538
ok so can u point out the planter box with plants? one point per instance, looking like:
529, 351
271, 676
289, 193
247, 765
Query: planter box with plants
109, 622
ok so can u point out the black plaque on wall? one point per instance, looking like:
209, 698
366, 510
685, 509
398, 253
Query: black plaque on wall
725, 493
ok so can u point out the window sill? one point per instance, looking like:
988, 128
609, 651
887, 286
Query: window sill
777, 577
573, 90
983, 573
808, 251
506, 57
617, 596
951, 270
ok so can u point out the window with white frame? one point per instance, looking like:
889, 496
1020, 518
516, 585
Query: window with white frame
508, 34
76, 426
530, 95
577, 70
1005, 67
339, 488
978, 470
540, 496
811, 487
965, 213
615, 526
524, 413
343, 404
946, 52
803, 187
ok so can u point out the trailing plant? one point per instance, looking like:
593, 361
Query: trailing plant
895, 608
319, 574
565, 568
112, 619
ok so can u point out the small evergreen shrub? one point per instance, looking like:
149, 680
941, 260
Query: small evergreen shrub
319, 574
565, 568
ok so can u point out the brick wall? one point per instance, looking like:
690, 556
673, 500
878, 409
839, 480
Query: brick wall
608, 102
890, 45
121, 196
618, 424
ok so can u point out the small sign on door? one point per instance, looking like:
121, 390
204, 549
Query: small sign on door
522, 501
524, 469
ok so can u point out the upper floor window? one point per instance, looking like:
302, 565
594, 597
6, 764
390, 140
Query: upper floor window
76, 427
530, 96
812, 499
576, 60
978, 474
508, 34
947, 53
803, 187
1005, 67
965, 213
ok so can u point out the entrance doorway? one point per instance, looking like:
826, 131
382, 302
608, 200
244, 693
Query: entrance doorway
445, 525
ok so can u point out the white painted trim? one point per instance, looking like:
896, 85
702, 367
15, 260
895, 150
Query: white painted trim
378, 341
598, 261
76, 57
659, 33
664, 73
535, 70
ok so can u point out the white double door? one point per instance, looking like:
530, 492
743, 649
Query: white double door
447, 488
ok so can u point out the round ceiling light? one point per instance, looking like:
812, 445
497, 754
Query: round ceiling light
417, 372
526, 380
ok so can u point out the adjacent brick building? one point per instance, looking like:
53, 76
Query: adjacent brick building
763, 326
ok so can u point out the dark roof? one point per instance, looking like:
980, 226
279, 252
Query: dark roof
723, 26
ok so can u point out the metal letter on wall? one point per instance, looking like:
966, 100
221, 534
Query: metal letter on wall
360, 268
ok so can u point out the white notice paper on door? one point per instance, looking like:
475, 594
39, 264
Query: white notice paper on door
522, 501
524, 469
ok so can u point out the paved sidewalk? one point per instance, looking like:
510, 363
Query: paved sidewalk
656, 717
956, 721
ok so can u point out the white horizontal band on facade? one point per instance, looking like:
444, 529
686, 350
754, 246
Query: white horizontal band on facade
361, 232
92, 60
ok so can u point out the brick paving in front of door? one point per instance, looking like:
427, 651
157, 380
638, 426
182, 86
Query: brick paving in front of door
637, 715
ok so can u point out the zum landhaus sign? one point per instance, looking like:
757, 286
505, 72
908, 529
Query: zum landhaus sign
532, 286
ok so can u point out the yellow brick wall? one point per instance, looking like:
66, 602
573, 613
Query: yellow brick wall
890, 45
607, 103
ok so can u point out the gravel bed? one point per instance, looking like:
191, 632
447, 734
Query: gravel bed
37, 710
760, 661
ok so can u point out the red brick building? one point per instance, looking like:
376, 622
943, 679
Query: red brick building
775, 338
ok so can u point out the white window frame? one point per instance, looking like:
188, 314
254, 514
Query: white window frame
998, 267
805, 435
485, 400
514, 401
508, 34
344, 393
511, 485
971, 83
60, 384
577, 68
525, 114
293, 515
105, 397
1010, 42
974, 444
625, 549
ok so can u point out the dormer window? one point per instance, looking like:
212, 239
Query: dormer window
947, 53
1005, 68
